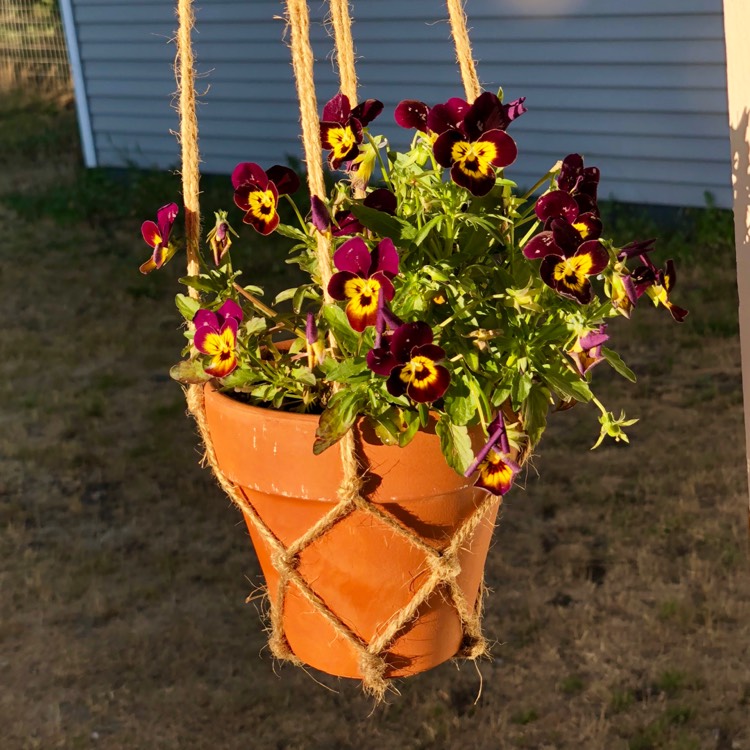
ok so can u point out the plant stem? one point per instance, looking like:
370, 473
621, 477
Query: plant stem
541, 182
383, 168
296, 211
267, 311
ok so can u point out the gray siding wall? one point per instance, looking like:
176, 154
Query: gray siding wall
637, 86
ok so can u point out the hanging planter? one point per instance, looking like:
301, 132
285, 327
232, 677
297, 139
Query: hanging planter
367, 423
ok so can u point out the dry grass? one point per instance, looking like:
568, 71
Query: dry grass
621, 603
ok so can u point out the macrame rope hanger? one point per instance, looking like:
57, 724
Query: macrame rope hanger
442, 565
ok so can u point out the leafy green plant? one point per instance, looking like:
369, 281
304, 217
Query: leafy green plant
455, 299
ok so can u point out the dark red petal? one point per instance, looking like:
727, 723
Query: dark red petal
285, 179
448, 116
205, 317
337, 109
443, 147
432, 391
249, 172
571, 169
150, 233
547, 269
598, 255
678, 313
383, 200
347, 224
385, 285
396, 386
540, 246
165, 217
507, 151
566, 237
411, 113
477, 186
588, 225
261, 224
338, 282
558, 203
381, 361
431, 351
367, 111
384, 258
408, 336
353, 256
670, 275
486, 113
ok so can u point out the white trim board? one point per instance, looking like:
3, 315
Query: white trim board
79, 84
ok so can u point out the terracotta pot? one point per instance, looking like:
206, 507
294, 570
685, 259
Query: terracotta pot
362, 569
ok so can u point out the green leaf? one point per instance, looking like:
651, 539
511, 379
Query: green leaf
383, 224
460, 405
187, 306
339, 417
534, 412
293, 233
346, 371
615, 361
455, 444
255, 326
346, 336
411, 418
304, 375
520, 388
203, 283
433, 223
284, 295
190, 371
241, 378
567, 384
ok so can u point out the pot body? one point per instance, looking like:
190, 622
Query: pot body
363, 570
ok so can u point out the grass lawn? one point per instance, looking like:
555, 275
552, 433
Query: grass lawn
620, 604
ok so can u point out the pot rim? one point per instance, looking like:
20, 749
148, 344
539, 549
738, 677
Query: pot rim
211, 388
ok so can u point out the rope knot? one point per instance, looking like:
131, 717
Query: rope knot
372, 667
283, 560
446, 566
474, 647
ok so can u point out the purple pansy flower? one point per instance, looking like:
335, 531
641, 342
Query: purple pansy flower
362, 277
216, 336
497, 469
257, 193
411, 362
341, 127
587, 350
156, 234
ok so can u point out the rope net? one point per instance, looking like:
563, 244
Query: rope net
442, 563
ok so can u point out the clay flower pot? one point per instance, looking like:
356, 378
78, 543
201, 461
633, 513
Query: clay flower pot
361, 568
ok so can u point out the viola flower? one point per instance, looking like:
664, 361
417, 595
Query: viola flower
567, 260
497, 473
580, 182
557, 204
341, 127
361, 277
474, 145
623, 293
218, 238
587, 350
257, 193
216, 336
156, 234
658, 284
411, 362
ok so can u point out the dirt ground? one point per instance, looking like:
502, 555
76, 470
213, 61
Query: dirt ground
620, 604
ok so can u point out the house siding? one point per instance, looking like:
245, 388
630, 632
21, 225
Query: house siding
638, 87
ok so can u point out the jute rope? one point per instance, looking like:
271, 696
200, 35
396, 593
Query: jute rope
342, 31
463, 50
443, 564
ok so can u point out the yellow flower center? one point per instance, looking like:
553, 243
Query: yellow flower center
262, 204
363, 293
572, 272
341, 140
583, 229
474, 159
420, 372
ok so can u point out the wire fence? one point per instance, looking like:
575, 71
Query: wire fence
32, 46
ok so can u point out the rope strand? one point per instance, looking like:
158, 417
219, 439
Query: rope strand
342, 31
463, 50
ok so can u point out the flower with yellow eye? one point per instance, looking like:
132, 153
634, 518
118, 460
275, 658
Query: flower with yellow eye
156, 234
362, 277
341, 127
257, 193
216, 336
